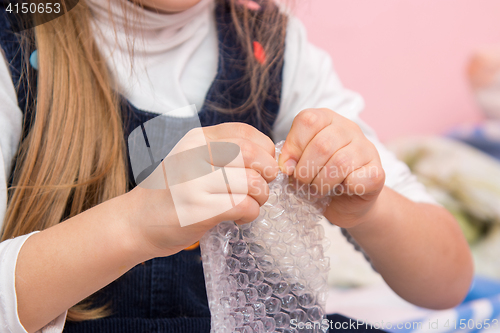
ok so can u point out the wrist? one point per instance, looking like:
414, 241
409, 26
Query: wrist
128, 237
377, 217
349, 212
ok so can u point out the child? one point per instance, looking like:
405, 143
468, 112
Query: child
106, 67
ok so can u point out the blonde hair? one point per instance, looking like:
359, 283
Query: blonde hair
73, 156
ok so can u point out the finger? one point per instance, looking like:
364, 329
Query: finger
189, 164
237, 181
346, 160
304, 127
240, 222
255, 157
257, 187
319, 151
254, 185
246, 211
239, 130
366, 181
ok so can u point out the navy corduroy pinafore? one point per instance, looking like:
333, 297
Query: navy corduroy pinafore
163, 295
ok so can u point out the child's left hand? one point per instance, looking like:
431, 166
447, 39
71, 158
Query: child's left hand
331, 153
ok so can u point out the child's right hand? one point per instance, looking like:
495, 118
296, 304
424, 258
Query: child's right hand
151, 215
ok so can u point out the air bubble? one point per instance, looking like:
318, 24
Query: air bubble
269, 324
273, 305
255, 277
257, 248
247, 313
283, 224
251, 294
315, 313
286, 261
273, 276
306, 300
240, 298
271, 237
258, 326
238, 318
233, 264
281, 289
228, 230
291, 236
299, 316
276, 211
228, 302
259, 309
247, 262
289, 303
240, 248
242, 280
282, 320
278, 250
265, 291
265, 263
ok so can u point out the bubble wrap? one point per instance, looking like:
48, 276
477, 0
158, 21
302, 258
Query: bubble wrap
271, 274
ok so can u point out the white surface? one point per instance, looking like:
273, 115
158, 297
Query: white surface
349, 268
379, 305
372, 304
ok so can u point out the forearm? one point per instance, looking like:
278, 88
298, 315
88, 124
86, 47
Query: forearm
62, 265
418, 248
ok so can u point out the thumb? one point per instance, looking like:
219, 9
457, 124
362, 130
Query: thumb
289, 157
304, 127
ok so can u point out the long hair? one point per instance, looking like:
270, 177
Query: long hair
73, 156
258, 31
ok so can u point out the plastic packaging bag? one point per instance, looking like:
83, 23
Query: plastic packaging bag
271, 274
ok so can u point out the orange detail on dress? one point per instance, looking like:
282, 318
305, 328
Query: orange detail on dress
192, 247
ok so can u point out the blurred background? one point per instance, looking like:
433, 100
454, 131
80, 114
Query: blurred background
406, 57
429, 71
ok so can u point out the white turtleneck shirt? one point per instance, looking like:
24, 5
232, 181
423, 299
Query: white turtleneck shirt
173, 64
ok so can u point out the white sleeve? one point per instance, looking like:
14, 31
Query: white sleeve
9, 319
10, 132
309, 81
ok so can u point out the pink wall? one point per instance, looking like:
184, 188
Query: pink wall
406, 57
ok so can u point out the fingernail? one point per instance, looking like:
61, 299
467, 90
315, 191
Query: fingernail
289, 166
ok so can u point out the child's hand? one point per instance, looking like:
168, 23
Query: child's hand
331, 153
153, 216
